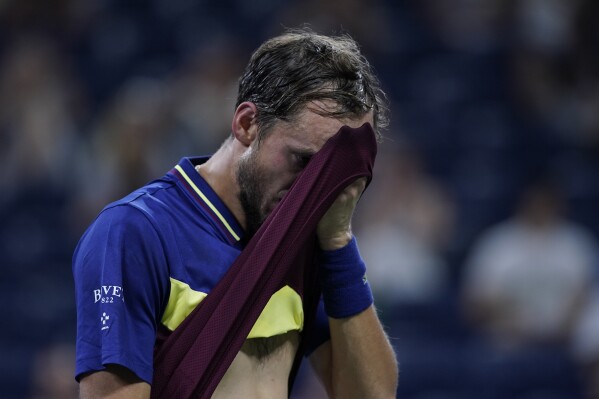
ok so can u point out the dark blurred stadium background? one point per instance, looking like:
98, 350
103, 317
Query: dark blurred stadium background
488, 98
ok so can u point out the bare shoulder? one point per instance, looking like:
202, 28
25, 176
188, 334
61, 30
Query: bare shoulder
114, 382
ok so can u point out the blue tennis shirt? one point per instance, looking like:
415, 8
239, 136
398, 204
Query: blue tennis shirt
148, 259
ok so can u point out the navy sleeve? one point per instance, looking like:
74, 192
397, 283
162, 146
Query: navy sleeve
121, 284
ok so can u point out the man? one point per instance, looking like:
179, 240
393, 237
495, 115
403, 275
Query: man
150, 258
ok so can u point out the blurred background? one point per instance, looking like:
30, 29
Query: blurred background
479, 230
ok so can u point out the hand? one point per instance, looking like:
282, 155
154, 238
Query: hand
334, 229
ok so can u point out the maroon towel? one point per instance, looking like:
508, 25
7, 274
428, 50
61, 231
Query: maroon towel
194, 357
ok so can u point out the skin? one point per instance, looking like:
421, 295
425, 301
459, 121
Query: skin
358, 361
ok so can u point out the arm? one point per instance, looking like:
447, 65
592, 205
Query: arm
359, 361
113, 383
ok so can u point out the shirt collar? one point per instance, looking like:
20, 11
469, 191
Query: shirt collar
205, 196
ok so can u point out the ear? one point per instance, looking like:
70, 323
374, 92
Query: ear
243, 126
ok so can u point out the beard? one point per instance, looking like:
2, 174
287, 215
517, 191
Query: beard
250, 179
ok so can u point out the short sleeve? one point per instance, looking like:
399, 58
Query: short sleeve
121, 286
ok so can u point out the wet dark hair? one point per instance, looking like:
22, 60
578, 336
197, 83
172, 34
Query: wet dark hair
287, 72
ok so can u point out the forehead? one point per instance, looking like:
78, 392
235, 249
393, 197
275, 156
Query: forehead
310, 129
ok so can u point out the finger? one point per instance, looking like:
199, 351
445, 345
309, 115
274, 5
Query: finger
356, 188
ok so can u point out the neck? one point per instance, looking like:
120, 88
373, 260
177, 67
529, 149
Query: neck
219, 173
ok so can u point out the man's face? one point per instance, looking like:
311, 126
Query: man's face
267, 169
